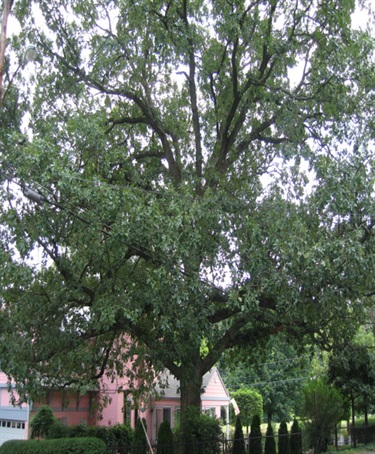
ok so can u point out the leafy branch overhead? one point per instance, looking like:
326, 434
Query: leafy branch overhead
205, 175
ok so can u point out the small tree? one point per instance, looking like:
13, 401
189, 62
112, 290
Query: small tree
283, 440
270, 445
250, 403
323, 407
239, 441
139, 445
42, 422
255, 438
295, 438
165, 443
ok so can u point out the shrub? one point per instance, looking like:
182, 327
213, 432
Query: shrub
58, 446
323, 407
270, 445
255, 438
250, 403
42, 422
200, 433
122, 437
139, 445
239, 441
283, 440
165, 443
295, 438
117, 438
58, 430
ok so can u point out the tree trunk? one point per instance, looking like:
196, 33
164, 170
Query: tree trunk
190, 388
354, 442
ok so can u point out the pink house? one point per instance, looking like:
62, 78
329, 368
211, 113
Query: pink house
72, 408
215, 402
13, 419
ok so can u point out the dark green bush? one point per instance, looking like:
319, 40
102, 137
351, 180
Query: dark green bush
255, 437
58, 430
239, 441
116, 438
58, 446
122, 437
283, 440
201, 433
270, 445
165, 443
139, 445
42, 422
295, 438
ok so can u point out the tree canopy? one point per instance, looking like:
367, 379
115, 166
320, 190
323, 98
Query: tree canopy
184, 172
351, 369
277, 373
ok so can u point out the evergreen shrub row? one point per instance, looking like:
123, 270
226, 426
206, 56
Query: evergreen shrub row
286, 444
62, 446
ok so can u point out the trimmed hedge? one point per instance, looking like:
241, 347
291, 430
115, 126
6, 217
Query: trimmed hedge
59, 446
165, 444
117, 438
255, 437
283, 440
239, 440
202, 434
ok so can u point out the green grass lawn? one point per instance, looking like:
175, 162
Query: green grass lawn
363, 449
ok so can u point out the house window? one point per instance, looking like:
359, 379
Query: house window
210, 411
167, 415
12, 424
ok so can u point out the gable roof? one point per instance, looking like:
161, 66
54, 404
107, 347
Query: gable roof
168, 387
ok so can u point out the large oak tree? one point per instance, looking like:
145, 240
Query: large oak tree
159, 190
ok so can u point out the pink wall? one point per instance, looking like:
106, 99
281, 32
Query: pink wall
70, 408
9, 412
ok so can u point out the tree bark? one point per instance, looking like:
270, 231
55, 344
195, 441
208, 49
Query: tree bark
354, 442
190, 389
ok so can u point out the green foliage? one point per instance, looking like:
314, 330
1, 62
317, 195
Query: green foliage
323, 407
283, 438
255, 437
276, 373
280, 376
117, 437
270, 444
139, 444
199, 433
250, 403
352, 370
59, 430
295, 438
121, 438
42, 422
59, 446
239, 441
165, 443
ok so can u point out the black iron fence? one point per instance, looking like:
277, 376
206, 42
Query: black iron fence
341, 439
